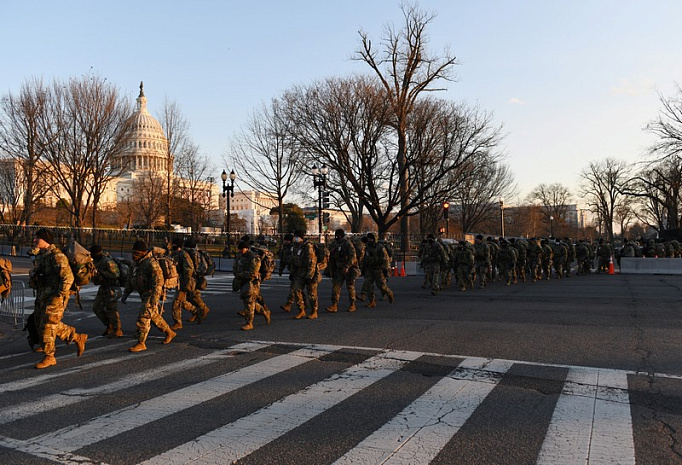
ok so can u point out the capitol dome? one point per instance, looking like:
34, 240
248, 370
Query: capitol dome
147, 146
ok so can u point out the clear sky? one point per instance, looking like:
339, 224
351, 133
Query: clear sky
571, 81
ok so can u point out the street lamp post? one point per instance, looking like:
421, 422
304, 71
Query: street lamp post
502, 216
551, 226
228, 188
320, 181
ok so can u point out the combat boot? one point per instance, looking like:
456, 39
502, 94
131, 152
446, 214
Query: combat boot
202, 315
139, 347
108, 331
117, 333
176, 326
333, 308
361, 297
313, 315
80, 343
286, 307
371, 304
391, 299
248, 326
242, 313
301, 314
193, 318
266, 315
48, 361
352, 307
170, 334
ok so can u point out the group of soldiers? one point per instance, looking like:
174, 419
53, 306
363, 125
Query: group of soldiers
508, 260
344, 260
52, 279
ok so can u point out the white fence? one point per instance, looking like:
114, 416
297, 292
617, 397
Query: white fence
14, 305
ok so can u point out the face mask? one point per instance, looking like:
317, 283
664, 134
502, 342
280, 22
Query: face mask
297, 240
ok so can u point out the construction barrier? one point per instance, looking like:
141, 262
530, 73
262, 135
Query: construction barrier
14, 306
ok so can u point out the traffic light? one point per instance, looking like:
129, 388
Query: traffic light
325, 200
441, 230
325, 217
446, 210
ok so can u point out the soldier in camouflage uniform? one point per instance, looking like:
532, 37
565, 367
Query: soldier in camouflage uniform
482, 257
547, 259
247, 283
285, 262
375, 266
535, 256
521, 248
105, 305
187, 296
446, 266
506, 260
303, 270
432, 258
52, 278
582, 256
147, 279
494, 248
464, 266
570, 258
560, 252
604, 252
343, 266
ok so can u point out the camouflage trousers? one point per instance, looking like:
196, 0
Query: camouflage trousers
338, 279
149, 313
190, 301
432, 272
559, 268
482, 269
48, 312
375, 277
305, 295
464, 277
105, 307
251, 298
507, 272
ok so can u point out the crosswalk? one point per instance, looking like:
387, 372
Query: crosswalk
265, 402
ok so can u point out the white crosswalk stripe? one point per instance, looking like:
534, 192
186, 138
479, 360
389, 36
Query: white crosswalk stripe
591, 422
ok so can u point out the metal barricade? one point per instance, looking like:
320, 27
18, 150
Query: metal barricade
14, 306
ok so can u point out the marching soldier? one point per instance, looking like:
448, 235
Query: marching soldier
464, 266
105, 305
343, 266
285, 262
303, 272
432, 258
506, 259
51, 277
375, 266
482, 257
187, 296
147, 280
247, 283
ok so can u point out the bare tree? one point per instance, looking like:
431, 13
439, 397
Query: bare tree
602, 187
176, 131
554, 200
266, 156
147, 202
195, 181
668, 127
24, 119
406, 69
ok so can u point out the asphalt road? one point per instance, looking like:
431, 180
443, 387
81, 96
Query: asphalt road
528, 342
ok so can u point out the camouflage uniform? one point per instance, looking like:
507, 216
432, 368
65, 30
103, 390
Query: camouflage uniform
343, 266
433, 256
303, 272
582, 256
521, 259
247, 282
494, 250
464, 266
147, 280
187, 296
560, 256
506, 260
52, 278
605, 252
535, 256
375, 266
482, 258
570, 258
547, 259
105, 306
446, 266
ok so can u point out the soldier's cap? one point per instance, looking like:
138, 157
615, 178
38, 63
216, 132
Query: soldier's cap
46, 235
339, 233
96, 250
177, 242
371, 236
430, 236
242, 245
140, 246
288, 237
299, 233
245, 238
479, 237
190, 243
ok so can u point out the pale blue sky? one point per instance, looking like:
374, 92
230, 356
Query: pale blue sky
571, 81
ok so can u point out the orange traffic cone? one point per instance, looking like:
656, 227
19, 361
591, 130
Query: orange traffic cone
611, 265
395, 270
402, 269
